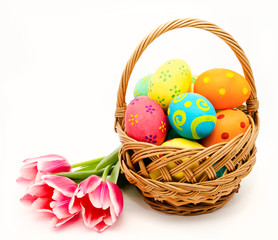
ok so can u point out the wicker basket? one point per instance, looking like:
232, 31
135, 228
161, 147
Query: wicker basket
188, 197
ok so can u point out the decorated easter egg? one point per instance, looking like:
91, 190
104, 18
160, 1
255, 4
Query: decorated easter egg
193, 80
141, 87
168, 81
229, 124
192, 115
220, 172
179, 142
224, 88
145, 121
172, 134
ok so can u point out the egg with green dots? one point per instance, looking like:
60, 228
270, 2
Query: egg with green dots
192, 116
193, 80
168, 81
141, 87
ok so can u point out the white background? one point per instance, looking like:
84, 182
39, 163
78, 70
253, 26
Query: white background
60, 66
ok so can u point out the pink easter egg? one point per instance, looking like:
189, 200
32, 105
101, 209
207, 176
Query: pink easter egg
145, 121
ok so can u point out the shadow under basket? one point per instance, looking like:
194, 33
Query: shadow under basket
199, 191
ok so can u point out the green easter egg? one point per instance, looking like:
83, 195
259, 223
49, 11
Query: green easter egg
220, 172
141, 87
194, 77
172, 134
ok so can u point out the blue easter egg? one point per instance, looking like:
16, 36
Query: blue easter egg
192, 115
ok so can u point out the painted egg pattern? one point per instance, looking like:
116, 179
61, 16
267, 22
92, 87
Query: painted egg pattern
141, 87
192, 116
193, 80
145, 121
224, 88
169, 80
229, 124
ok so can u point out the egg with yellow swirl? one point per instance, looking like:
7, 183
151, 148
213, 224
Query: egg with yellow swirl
192, 116
168, 81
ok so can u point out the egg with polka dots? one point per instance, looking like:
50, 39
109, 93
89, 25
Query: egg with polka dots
229, 124
145, 121
224, 88
192, 116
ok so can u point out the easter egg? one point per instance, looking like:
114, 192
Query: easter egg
168, 81
178, 142
172, 134
224, 88
191, 115
141, 87
193, 80
229, 124
145, 121
220, 172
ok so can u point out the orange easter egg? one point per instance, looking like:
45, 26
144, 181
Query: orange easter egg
229, 124
224, 88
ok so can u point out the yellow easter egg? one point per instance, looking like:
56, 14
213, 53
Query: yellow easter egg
168, 81
184, 143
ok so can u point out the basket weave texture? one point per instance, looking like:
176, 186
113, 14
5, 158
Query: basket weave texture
188, 197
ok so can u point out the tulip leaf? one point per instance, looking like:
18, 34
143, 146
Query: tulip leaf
115, 173
86, 163
88, 168
81, 175
111, 159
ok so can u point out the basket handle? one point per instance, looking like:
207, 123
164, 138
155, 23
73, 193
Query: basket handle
252, 103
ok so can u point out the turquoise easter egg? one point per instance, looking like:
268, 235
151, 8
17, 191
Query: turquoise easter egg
192, 116
141, 87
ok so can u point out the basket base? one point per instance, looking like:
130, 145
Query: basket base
190, 209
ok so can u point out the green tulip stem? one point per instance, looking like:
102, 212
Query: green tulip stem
105, 173
89, 162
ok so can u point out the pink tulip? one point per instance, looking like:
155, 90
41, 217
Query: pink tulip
53, 194
34, 168
101, 202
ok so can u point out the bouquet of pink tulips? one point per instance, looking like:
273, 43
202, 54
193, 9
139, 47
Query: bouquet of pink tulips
53, 187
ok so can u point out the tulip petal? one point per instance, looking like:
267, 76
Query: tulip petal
88, 185
91, 215
108, 220
28, 199
60, 206
63, 184
29, 171
53, 164
113, 215
56, 222
24, 181
40, 189
31, 160
49, 158
116, 197
100, 227
74, 204
100, 196
42, 205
